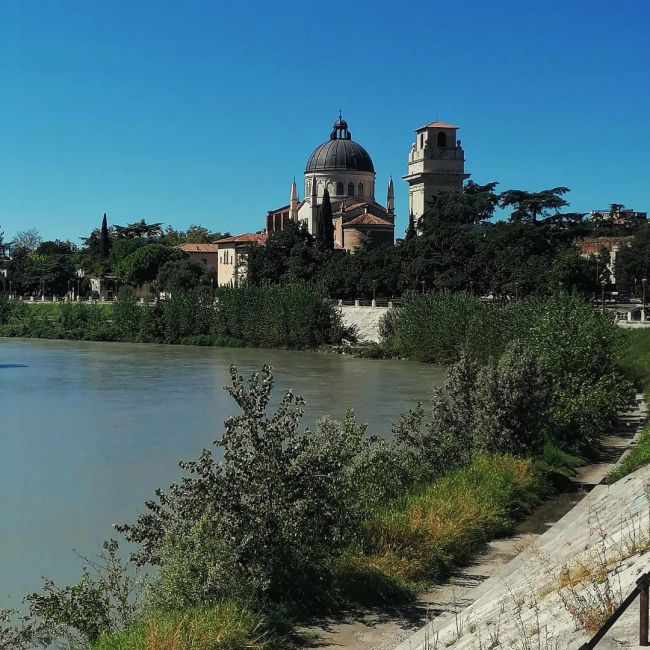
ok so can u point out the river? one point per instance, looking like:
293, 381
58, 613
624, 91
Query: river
89, 430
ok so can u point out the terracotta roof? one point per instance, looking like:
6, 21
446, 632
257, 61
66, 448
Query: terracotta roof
368, 220
246, 238
198, 248
438, 125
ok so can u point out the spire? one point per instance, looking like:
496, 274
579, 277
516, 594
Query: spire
390, 201
293, 203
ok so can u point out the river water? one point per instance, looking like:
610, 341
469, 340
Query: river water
89, 430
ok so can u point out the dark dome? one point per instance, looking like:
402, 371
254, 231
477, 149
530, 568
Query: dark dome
340, 154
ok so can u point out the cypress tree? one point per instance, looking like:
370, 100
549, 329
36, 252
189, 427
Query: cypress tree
326, 223
410, 231
104, 240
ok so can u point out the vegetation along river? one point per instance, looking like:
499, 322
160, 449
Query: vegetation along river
89, 430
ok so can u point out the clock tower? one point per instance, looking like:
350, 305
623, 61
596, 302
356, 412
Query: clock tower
436, 164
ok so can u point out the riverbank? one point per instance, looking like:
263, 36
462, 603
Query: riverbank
390, 516
384, 629
288, 317
562, 585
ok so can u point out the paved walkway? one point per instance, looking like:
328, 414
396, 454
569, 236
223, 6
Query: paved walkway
384, 630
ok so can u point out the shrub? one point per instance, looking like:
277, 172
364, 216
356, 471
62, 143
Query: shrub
282, 503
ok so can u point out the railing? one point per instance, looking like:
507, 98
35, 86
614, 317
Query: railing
367, 302
641, 590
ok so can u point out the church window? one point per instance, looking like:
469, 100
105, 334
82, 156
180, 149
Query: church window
350, 189
360, 191
421, 140
442, 139
339, 189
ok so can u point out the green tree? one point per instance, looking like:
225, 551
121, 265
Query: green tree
410, 230
534, 207
324, 225
144, 263
182, 275
633, 263
139, 230
104, 240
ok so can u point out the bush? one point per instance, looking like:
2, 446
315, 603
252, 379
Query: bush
575, 347
282, 503
226, 626
293, 316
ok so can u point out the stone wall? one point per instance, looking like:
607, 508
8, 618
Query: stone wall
365, 319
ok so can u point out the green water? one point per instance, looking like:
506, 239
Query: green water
89, 430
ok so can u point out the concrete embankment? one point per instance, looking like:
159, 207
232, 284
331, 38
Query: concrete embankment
365, 320
558, 589
481, 585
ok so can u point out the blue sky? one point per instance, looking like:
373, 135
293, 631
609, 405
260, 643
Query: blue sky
204, 111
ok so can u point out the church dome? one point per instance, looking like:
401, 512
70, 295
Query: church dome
340, 152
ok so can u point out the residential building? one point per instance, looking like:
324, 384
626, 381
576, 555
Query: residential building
231, 269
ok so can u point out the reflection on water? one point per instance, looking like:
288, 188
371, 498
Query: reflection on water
89, 430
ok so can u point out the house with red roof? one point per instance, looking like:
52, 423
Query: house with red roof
231, 257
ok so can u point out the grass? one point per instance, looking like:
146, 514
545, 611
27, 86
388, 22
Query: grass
635, 362
635, 358
424, 535
637, 458
226, 626
53, 309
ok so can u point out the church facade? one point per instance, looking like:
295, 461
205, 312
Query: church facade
343, 167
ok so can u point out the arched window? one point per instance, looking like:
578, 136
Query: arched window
360, 190
350, 189
421, 140
339, 189
442, 139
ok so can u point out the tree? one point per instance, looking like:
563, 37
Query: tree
410, 230
56, 247
633, 263
139, 230
472, 205
28, 239
326, 216
534, 207
181, 275
289, 255
104, 240
144, 263
324, 225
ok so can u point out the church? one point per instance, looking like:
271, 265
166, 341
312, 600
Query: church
436, 162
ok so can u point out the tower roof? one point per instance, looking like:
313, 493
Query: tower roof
438, 125
340, 152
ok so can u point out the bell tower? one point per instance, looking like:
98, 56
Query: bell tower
436, 164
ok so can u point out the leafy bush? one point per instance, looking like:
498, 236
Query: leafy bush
106, 598
575, 347
281, 503
293, 316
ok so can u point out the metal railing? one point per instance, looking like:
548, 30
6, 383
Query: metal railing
641, 590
